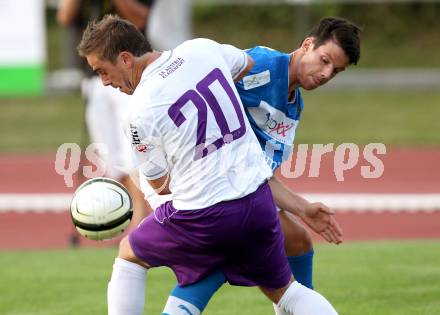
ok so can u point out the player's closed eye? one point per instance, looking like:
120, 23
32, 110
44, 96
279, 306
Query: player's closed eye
100, 72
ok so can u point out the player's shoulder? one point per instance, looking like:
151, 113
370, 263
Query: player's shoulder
264, 52
193, 51
140, 106
198, 45
136, 113
208, 48
139, 124
266, 58
269, 64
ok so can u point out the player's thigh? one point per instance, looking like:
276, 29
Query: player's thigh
297, 240
126, 253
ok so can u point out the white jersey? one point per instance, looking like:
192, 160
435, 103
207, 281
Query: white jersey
187, 121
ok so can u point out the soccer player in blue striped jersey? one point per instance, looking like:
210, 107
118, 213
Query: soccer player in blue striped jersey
271, 95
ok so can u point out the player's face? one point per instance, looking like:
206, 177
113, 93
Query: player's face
319, 65
115, 74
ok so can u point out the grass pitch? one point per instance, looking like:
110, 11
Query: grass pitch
374, 278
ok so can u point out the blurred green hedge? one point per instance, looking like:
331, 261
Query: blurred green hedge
394, 34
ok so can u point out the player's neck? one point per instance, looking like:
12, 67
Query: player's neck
143, 62
293, 79
146, 59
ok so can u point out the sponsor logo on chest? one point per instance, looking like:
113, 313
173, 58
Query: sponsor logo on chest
274, 122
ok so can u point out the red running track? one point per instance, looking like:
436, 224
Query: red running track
406, 171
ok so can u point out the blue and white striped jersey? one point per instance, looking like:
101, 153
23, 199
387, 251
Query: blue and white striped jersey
264, 93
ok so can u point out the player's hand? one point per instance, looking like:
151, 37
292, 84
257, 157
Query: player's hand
321, 220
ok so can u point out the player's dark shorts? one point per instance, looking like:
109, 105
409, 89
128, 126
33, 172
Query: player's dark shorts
241, 237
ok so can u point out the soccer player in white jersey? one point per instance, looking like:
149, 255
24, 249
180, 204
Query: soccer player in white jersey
189, 131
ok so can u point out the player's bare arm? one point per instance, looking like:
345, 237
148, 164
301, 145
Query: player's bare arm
161, 185
67, 11
133, 11
316, 215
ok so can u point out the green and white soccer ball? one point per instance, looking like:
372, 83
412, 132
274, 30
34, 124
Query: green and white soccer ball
101, 208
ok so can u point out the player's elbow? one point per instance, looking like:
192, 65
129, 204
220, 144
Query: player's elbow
63, 18
160, 185
139, 22
164, 191
250, 64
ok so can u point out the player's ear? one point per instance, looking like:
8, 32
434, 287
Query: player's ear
307, 43
126, 58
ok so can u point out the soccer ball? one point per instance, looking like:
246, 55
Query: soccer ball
101, 208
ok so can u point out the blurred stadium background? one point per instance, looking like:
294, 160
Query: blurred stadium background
391, 97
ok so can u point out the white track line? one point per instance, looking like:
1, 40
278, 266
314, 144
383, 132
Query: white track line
340, 202
35, 202
378, 202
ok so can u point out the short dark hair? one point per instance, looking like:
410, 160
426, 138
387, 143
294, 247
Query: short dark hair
110, 36
343, 32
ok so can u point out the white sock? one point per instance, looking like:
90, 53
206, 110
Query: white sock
126, 289
300, 300
278, 311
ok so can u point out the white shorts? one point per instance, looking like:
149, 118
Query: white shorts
105, 111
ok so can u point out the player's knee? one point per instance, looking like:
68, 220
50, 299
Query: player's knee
124, 249
275, 295
298, 241
126, 253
